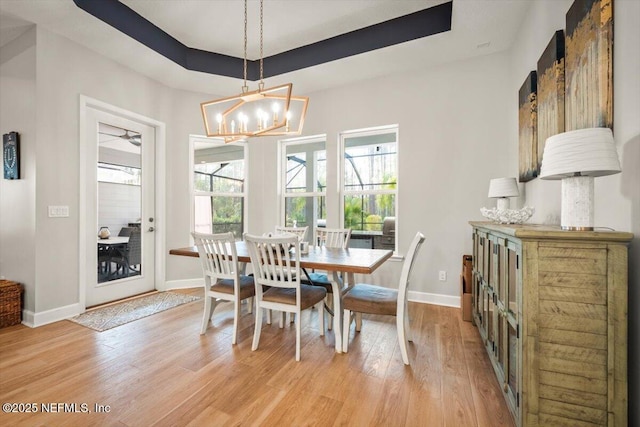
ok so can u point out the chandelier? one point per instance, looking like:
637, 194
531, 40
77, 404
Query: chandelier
263, 112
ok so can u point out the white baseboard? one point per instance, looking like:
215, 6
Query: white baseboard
437, 299
181, 284
33, 320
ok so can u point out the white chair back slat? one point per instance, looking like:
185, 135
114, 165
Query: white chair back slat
274, 264
217, 254
301, 232
333, 237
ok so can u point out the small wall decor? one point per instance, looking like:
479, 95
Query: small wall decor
589, 65
527, 108
11, 155
550, 92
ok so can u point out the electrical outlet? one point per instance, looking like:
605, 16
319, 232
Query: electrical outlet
58, 211
442, 275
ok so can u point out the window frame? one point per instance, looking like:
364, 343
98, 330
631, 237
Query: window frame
342, 192
216, 142
282, 176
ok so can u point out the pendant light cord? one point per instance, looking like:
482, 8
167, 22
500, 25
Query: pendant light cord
245, 87
261, 52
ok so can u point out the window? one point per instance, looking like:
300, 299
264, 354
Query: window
304, 182
219, 189
370, 181
119, 174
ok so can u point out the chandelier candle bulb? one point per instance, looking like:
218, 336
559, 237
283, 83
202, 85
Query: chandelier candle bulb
275, 109
219, 120
259, 114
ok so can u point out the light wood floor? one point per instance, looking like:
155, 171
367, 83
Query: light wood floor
160, 371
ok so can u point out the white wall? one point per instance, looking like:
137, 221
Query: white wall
50, 135
452, 139
17, 197
614, 194
617, 197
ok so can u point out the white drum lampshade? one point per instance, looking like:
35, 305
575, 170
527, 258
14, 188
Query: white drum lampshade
501, 188
576, 157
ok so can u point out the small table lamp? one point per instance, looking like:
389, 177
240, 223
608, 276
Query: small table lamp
501, 188
576, 157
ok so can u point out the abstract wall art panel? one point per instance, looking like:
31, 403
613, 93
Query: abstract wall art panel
589, 65
527, 121
550, 92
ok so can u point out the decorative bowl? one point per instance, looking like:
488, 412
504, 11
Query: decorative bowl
508, 216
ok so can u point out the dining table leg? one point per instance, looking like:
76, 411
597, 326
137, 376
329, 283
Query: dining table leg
336, 286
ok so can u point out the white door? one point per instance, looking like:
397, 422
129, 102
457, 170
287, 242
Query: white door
121, 199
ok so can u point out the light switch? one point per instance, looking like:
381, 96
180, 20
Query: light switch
58, 211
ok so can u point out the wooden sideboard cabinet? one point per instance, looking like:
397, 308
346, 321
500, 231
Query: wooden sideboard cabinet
551, 307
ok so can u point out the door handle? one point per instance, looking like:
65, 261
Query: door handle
151, 229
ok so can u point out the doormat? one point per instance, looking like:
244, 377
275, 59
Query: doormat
123, 312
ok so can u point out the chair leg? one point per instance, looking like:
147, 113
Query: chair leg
358, 322
329, 303
257, 328
236, 319
400, 322
298, 340
346, 323
268, 315
407, 327
320, 309
206, 315
282, 319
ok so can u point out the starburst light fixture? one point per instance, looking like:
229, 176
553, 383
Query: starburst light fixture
263, 112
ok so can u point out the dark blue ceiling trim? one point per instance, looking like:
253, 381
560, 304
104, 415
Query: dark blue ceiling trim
416, 25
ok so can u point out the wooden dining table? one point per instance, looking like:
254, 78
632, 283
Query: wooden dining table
341, 263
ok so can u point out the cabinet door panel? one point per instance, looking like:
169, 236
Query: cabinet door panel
512, 360
512, 279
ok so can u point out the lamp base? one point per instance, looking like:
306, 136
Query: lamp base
577, 203
571, 228
502, 204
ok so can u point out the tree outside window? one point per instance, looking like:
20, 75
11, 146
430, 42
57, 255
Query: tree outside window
219, 188
304, 182
370, 178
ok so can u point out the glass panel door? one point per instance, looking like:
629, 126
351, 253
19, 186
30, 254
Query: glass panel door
119, 203
119, 206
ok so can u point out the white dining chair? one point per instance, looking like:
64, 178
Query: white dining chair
276, 270
222, 278
301, 232
328, 238
372, 299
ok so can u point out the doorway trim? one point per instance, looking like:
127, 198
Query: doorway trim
160, 189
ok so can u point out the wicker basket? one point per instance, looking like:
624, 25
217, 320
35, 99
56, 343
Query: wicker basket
10, 303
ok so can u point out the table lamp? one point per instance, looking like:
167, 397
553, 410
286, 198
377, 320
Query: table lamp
501, 189
576, 157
